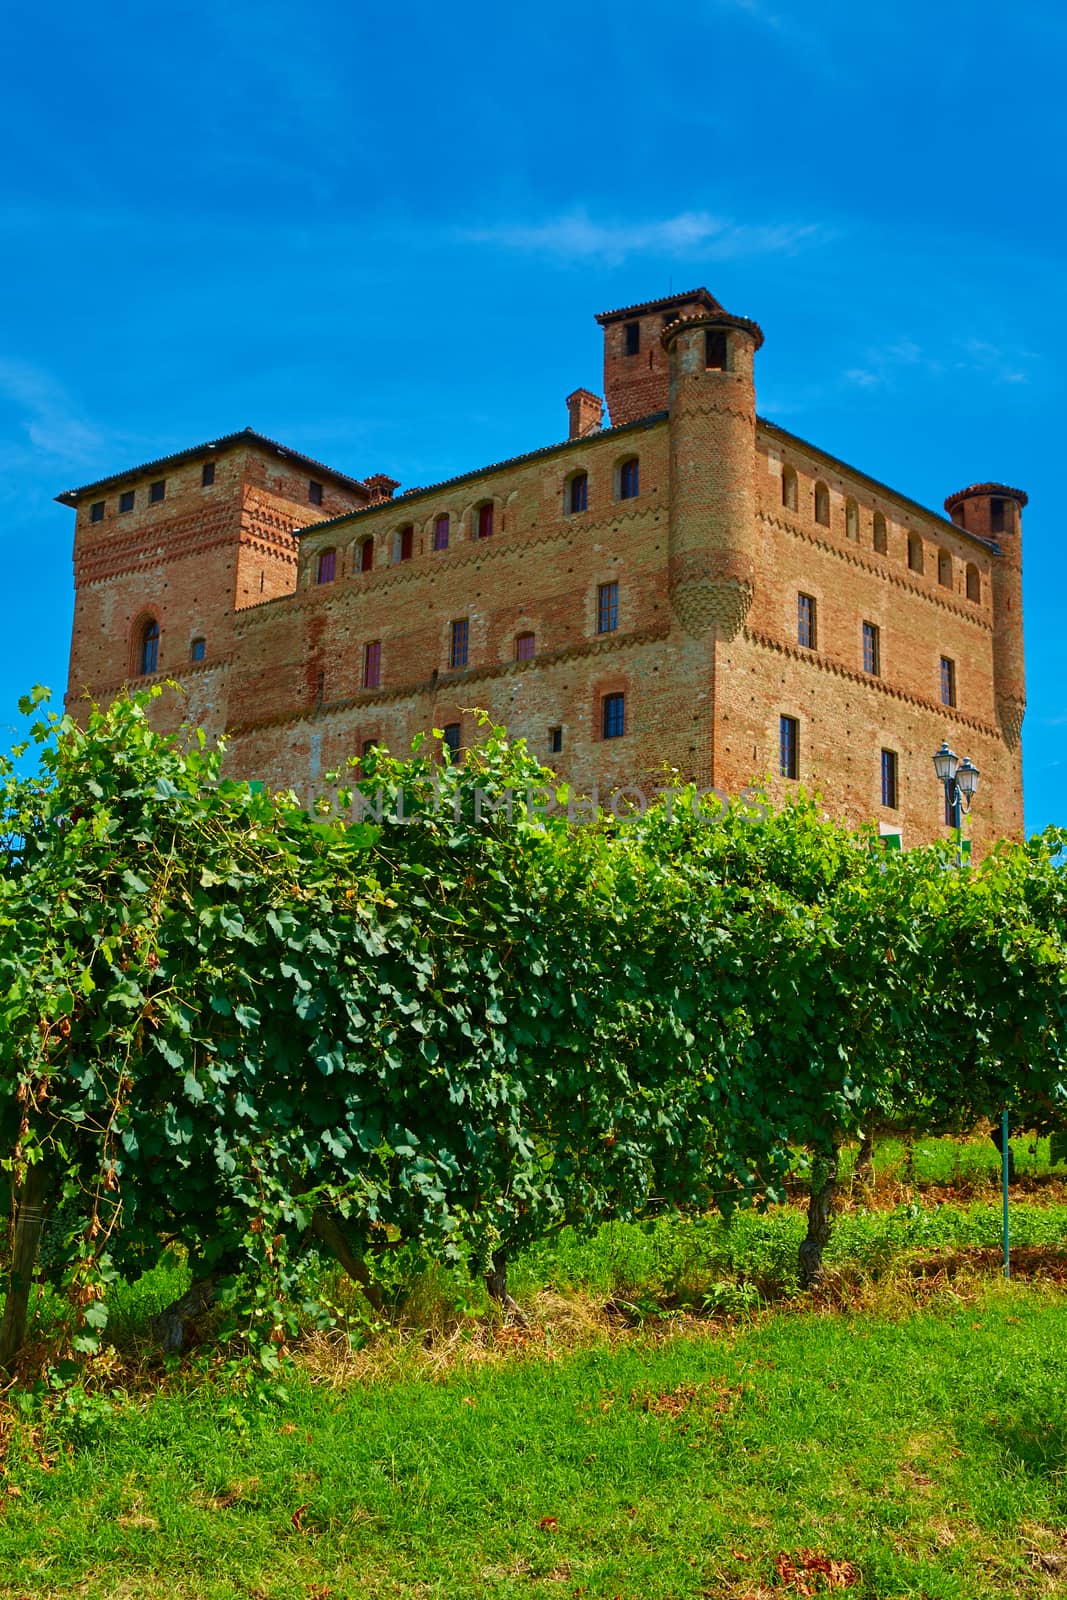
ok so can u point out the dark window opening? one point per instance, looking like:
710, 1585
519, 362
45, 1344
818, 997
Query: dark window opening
314, 492
806, 621
372, 664
948, 681
944, 569
578, 492
629, 479
788, 746
872, 649
207, 474
822, 505
614, 716
881, 534
459, 643
96, 511
451, 737
367, 746
366, 555
327, 567
632, 338
157, 491
126, 499
484, 523
915, 553
555, 740
974, 584
607, 608
996, 516
789, 489
405, 543
715, 350
889, 779
441, 530
149, 661
525, 647
198, 650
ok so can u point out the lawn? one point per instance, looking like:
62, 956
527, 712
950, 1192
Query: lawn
674, 1420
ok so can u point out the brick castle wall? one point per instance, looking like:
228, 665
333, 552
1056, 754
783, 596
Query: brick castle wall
708, 557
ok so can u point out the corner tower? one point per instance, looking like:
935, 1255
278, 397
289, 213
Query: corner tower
636, 375
712, 397
994, 512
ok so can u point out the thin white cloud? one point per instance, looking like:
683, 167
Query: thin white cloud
44, 414
882, 366
576, 236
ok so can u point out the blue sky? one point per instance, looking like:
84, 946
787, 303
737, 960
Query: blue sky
381, 237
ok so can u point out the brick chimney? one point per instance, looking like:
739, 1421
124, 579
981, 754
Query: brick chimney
381, 486
586, 412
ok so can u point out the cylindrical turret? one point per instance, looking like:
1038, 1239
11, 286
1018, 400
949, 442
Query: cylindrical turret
711, 563
994, 512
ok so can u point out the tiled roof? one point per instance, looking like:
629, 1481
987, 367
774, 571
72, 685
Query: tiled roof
481, 472
999, 489
70, 497
707, 300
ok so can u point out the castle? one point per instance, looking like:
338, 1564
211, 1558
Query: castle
688, 587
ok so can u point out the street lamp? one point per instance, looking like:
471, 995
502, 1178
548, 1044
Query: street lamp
960, 780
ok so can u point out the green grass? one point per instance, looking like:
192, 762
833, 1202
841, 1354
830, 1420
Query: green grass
927, 1449
675, 1415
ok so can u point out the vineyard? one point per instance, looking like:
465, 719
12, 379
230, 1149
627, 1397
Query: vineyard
433, 1019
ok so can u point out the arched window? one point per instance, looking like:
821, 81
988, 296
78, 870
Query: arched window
198, 650
789, 488
852, 519
578, 492
944, 569
822, 505
915, 552
366, 554
148, 655
525, 646
974, 584
716, 351
326, 571
404, 543
483, 520
881, 534
629, 479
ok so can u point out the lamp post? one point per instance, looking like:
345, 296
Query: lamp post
960, 781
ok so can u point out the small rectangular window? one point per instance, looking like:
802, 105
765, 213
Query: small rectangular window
948, 681
806, 621
96, 511
451, 733
372, 664
788, 747
314, 492
198, 650
406, 543
630, 480
607, 608
632, 338
614, 716
367, 746
485, 521
889, 779
459, 642
555, 740
996, 516
126, 499
326, 571
578, 495
525, 647
157, 491
440, 532
207, 474
715, 350
872, 649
